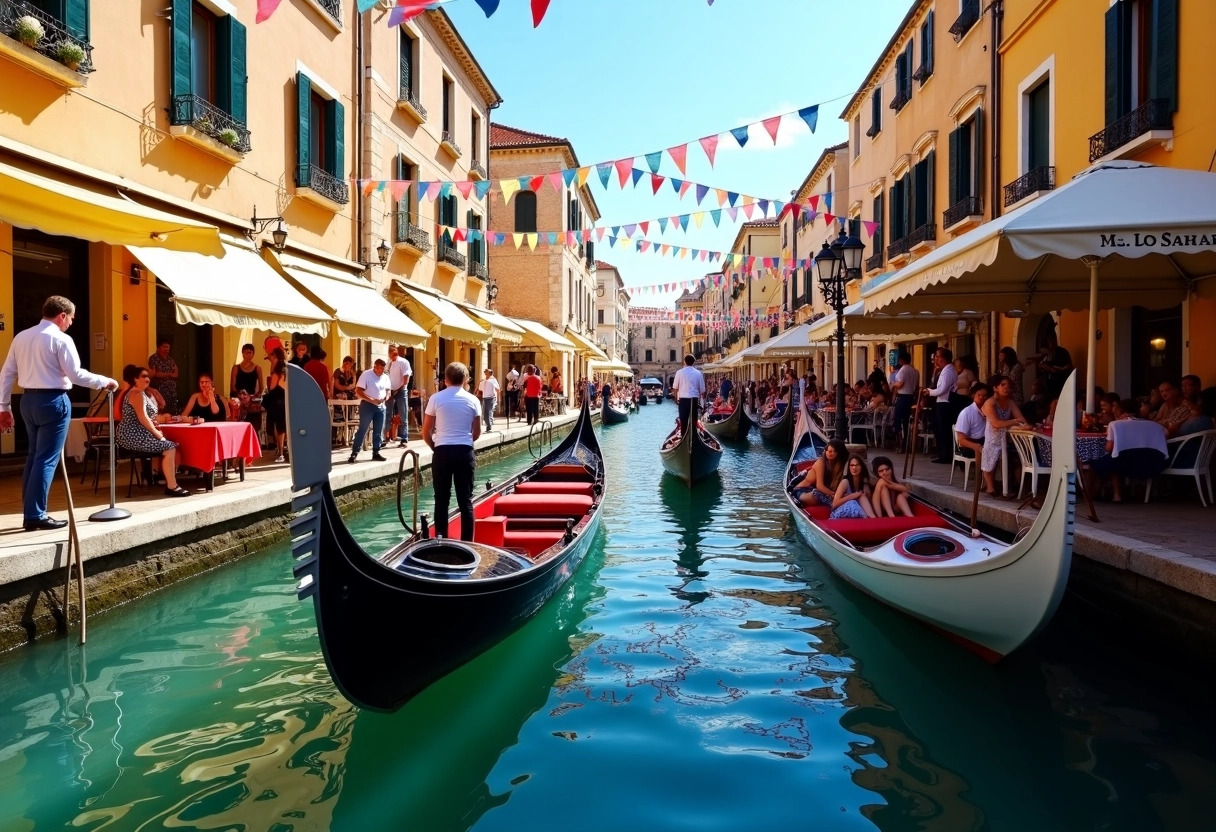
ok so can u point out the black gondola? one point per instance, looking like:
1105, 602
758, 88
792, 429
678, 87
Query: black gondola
613, 415
693, 456
778, 431
734, 427
391, 625
641, 400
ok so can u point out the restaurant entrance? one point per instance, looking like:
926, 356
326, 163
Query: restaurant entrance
1156, 348
190, 346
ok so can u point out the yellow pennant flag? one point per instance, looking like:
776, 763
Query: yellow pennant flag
583, 173
509, 187
518, 239
698, 217
532, 239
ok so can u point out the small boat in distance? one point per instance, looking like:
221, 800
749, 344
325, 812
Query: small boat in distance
778, 430
987, 594
613, 414
393, 623
653, 388
732, 427
693, 456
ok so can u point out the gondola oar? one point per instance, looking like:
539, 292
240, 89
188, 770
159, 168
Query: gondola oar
910, 440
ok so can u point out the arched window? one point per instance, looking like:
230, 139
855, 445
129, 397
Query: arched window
525, 211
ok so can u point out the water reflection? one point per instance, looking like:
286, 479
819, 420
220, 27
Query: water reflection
690, 511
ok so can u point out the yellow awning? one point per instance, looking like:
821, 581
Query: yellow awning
501, 327
238, 290
438, 314
358, 309
54, 207
537, 335
585, 345
618, 368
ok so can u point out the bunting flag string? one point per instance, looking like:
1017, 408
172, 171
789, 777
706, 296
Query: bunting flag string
405, 10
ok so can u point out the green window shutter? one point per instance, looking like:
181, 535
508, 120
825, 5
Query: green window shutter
236, 86
335, 150
930, 185
182, 13
953, 167
977, 158
1115, 87
881, 220
303, 129
927, 58
76, 18
1164, 81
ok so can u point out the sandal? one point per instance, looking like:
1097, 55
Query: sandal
176, 492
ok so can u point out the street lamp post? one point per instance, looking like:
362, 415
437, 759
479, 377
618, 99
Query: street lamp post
836, 265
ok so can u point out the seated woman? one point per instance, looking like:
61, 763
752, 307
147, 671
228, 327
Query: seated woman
344, 380
890, 497
818, 485
205, 405
852, 500
137, 431
129, 373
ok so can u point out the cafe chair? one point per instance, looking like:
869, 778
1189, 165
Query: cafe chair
138, 461
1025, 443
863, 421
1190, 456
958, 457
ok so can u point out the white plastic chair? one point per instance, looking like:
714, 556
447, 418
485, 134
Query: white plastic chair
925, 432
863, 420
1203, 443
959, 456
1024, 441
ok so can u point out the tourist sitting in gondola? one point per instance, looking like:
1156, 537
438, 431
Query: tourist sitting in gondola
852, 500
890, 497
818, 485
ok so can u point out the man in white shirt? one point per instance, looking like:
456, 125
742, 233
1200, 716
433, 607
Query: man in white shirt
489, 397
905, 384
971, 423
44, 362
512, 392
399, 372
943, 411
372, 390
450, 427
689, 384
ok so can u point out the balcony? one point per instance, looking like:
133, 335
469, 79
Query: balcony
332, 11
479, 270
477, 171
923, 238
409, 237
874, 261
965, 213
321, 187
409, 104
899, 250
195, 120
967, 18
447, 141
1034, 183
56, 53
1150, 123
449, 258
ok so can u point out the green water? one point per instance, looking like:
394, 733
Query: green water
702, 671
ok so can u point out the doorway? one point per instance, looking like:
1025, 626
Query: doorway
1156, 347
190, 345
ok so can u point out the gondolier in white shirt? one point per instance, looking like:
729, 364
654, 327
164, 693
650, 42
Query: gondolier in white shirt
450, 427
44, 361
689, 384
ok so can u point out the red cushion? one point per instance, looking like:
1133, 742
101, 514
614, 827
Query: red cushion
873, 530
542, 505
532, 542
583, 488
490, 530
817, 511
565, 471
804, 466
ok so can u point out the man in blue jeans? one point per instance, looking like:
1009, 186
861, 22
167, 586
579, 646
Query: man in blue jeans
44, 361
372, 390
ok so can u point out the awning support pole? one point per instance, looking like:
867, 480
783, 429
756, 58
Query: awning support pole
1091, 355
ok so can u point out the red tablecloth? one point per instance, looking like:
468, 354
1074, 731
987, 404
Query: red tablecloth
204, 446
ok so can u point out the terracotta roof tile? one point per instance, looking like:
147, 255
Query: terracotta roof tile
503, 136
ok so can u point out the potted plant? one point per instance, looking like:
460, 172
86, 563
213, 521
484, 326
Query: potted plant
28, 30
229, 137
70, 54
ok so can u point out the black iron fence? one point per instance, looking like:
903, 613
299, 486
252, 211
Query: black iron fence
1036, 179
56, 41
323, 182
205, 117
1154, 114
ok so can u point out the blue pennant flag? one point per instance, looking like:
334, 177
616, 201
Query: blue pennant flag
676, 184
569, 175
482, 188
662, 224
683, 222
364, 5
763, 205
702, 190
445, 190
740, 134
616, 231
652, 159
810, 115
552, 237
525, 183
604, 169
732, 198
637, 173
716, 216
488, 6
500, 237
827, 201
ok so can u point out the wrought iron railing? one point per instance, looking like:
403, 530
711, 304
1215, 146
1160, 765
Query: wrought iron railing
448, 254
449, 139
898, 247
1036, 179
405, 91
333, 8
205, 117
411, 235
967, 17
968, 206
479, 269
56, 43
478, 168
323, 182
1154, 114
927, 233
874, 261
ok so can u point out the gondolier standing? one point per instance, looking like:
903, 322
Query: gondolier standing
450, 427
689, 384
44, 361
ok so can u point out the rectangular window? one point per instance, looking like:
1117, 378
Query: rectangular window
448, 211
875, 112
207, 57
408, 67
1038, 130
320, 142
673, 332
449, 101
880, 218
599, 316
1141, 56
922, 192
856, 136
967, 159
899, 209
477, 242
650, 355
649, 334
405, 216
475, 136
926, 50
671, 355
202, 53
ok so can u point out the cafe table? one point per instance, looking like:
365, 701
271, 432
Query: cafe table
1090, 445
203, 447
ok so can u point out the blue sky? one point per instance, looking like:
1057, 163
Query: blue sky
622, 77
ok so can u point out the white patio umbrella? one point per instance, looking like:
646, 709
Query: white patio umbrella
1119, 234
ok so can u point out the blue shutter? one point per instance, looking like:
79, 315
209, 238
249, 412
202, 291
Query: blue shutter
236, 83
977, 156
953, 166
1115, 88
180, 49
1164, 80
930, 186
335, 151
76, 18
303, 125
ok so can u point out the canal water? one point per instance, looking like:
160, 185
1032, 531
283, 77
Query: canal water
702, 671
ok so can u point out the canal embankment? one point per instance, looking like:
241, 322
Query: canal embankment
167, 540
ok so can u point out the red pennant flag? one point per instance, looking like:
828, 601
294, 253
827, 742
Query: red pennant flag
465, 188
828, 218
539, 7
679, 155
710, 145
772, 125
814, 202
535, 182
624, 167
459, 236
645, 226
870, 227
265, 9
643, 245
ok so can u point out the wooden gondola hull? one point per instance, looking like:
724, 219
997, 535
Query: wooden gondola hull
695, 457
779, 432
613, 416
735, 427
